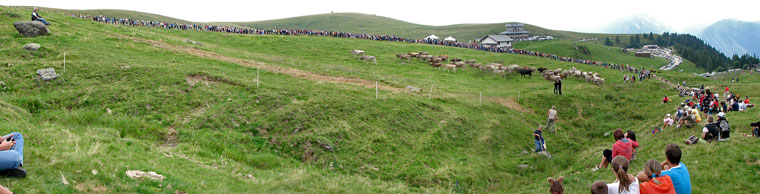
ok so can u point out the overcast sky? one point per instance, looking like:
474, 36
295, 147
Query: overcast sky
575, 15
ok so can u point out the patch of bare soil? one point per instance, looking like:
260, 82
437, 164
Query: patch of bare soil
510, 103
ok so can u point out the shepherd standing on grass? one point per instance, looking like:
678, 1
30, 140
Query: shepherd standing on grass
552, 117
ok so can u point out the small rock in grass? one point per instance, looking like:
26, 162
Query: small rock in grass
94, 172
109, 111
31, 46
524, 152
523, 166
136, 174
544, 153
250, 176
47, 74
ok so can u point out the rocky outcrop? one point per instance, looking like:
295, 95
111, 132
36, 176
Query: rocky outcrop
31, 28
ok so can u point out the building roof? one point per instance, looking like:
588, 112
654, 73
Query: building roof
514, 32
512, 25
500, 38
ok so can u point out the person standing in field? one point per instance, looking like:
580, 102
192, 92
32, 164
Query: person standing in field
551, 118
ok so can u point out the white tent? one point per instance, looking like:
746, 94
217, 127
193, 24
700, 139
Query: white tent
450, 39
432, 37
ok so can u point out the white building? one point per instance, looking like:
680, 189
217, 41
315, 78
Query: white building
497, 41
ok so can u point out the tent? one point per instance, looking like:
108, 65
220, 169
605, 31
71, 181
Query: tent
432, 37
450, 39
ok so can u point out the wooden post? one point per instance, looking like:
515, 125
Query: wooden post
481, 99
376, 96
64, 62
431, 92
257, 77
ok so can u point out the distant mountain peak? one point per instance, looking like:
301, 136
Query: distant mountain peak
636, 24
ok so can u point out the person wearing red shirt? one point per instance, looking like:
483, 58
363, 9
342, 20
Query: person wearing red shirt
623, 146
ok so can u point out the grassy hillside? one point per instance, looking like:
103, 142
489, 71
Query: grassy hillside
602, 53
195, 114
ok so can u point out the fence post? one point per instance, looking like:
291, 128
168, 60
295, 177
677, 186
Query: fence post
431, 92
257, 77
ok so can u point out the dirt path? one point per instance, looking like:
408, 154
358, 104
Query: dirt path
276, 69
507, 102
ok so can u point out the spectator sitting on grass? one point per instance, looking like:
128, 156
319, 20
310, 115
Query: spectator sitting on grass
710, 131
12, 155
622, 146
674, 168
657, 183
667, 121
599, 187
625, 183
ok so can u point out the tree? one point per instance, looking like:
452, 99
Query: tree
631, 42
638, 41
607, 41
617, 40
651, 36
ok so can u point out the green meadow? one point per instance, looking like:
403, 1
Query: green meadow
300, 114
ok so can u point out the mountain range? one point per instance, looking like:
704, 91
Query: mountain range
729, 36
733, 37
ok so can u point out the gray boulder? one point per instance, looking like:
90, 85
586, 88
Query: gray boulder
47, 74
31, 28
31, 46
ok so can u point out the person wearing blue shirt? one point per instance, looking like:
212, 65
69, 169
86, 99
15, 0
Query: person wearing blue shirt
674, 168
538, 139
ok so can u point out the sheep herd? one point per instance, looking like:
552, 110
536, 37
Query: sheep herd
445, 63
559, 74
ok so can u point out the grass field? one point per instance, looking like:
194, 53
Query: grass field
194, 113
